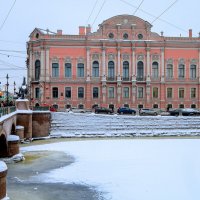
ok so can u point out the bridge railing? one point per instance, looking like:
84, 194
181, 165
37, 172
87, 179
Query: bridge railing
7, 110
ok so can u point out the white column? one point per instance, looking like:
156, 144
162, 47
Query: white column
103, 63
148, 64
42, 67
162, 65
133, 62
30, 67
118, 61
47, 74
88, 63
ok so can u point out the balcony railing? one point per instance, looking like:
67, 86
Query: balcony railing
140, 78
41, 108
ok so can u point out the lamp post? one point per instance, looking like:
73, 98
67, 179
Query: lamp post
7, 84
14, 87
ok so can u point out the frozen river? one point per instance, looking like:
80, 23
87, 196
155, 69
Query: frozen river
129, 169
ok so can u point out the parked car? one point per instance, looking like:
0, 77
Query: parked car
125, 110
184, 112
146, 111
103, 110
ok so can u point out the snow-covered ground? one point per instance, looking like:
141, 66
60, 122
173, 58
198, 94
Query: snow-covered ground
131, 169
101, 125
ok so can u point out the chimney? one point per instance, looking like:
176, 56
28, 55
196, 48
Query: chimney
81, 30
59, 32
88, 29
190, 33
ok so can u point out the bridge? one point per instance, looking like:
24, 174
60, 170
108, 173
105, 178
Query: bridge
22, 121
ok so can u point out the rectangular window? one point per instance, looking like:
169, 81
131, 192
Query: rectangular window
169, 93
95, 92
80, 70
68, 92
126, 92
193, 92
181, 93
111, 92
37, 93
68, 70
80, 92
140, 92
155, 92
55, 92
55, 70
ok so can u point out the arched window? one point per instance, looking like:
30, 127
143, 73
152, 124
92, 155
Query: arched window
193, 73
55, 70
155, 70
181, 71
140, 71
126, 70
111, 70
169, 71
95, 69
37, 70
80, 70
68, 70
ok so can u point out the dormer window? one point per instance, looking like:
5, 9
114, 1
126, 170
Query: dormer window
111, 35
125, 36
140, 36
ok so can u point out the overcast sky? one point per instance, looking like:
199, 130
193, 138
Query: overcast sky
18, 18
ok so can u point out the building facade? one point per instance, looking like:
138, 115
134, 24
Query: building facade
123, 63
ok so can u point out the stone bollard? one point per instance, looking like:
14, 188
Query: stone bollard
20, 132
13, 145
3, 173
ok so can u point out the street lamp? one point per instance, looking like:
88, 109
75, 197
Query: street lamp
7, 84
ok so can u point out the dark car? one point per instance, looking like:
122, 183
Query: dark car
103, 110
146, 111
125, 110
184, 112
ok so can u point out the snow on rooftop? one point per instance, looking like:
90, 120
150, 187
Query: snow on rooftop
12, 138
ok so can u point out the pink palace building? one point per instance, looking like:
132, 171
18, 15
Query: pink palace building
123, 63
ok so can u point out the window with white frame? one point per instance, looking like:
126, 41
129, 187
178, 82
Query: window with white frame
193, 72
37, 93
80, 70
55, 92
169, 71
80, 92
193, 93
181, 71
155, 92
68, 70
125, 70
111, 92
181, 93
140, 92
111, 70
68, 92
169, 93
95, 92
37, 70
55, 70
126, 92
95, 69
155, 70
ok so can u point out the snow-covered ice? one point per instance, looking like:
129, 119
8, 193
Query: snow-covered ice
131, 169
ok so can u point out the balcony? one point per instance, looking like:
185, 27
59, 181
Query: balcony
141, 78
111, 78
126, 79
